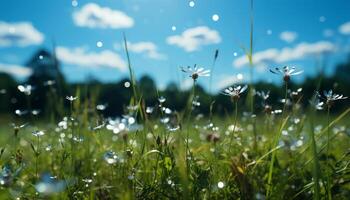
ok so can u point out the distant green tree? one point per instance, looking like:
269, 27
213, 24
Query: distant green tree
7, 93
148, 89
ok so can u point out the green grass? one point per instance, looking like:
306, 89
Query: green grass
152, 161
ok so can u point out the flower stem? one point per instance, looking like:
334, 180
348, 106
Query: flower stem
329, 194
285, 98
234, 123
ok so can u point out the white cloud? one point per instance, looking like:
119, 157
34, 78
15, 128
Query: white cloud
305, 49
94, 16
226, 81
258, 57
194, 38
345, 28
15, 70
147, 48
298, 52
19, 34
288, 36
81, 57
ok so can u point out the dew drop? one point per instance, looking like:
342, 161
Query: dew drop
191, 4
221, 184
173, 28
235, 54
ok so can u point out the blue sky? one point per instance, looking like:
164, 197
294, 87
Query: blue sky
166, 34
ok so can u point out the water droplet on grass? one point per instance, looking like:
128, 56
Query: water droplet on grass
221, 184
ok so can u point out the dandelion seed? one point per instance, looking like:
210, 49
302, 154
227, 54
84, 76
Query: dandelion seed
71, 98
286, 72
235, 54
41, 57
191, 4
215, 17
234, 92
195, 72
173, 28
